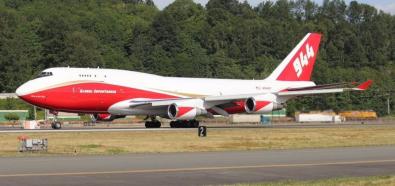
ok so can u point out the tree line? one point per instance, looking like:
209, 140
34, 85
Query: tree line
223, 39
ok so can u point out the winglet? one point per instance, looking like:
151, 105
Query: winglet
365, 85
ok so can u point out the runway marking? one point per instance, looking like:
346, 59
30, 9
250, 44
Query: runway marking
93, 130
197, 169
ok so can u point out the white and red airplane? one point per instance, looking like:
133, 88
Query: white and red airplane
110, 93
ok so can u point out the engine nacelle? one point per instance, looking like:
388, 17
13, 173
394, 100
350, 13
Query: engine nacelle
107, 117
262, 104
186, 109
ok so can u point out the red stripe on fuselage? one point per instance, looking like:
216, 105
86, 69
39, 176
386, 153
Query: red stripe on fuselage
88, 97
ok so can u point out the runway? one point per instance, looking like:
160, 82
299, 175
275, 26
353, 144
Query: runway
92, 130
203, 168
210, 126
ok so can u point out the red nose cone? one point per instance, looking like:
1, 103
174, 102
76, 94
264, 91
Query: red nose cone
38, 100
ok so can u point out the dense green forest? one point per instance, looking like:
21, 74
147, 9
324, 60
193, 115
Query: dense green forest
224, 39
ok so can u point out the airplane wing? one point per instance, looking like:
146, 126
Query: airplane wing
218, 100
324, 86
222, 104
153, 102
320, 89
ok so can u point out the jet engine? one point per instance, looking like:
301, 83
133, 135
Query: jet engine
107, 117
186, 109
262, 104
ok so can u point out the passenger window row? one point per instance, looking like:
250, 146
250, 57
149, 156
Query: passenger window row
87, 75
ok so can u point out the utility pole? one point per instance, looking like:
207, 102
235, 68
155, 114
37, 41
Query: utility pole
388, 105
35, 112
45, 115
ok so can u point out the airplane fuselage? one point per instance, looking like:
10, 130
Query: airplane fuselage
85, 90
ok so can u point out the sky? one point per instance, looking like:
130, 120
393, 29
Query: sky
385, 5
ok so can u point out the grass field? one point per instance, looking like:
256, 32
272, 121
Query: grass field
188, 141
354, 181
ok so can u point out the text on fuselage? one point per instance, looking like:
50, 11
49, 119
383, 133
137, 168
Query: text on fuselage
97, 91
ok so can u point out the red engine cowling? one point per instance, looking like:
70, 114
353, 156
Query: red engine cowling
186, 110
262, 104
107, 117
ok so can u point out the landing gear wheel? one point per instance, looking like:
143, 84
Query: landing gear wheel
172, 125
152, 124
158, 124
56, 125
184, 124
193, 123
175, 124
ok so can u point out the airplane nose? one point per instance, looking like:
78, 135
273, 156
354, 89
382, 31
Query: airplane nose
18, 91
21, 90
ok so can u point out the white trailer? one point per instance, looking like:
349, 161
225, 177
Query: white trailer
317, 117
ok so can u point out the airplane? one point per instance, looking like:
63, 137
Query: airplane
109, 94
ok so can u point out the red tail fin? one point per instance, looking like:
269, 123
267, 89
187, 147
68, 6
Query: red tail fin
298, 65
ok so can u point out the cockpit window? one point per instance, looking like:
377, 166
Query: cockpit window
44, 74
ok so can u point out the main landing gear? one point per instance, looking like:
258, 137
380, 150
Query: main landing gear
154, 123
184, 124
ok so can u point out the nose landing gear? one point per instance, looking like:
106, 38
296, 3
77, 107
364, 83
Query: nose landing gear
55, 123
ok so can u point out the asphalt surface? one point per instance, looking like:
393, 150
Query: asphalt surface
204, 168
211, 126
91, 130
